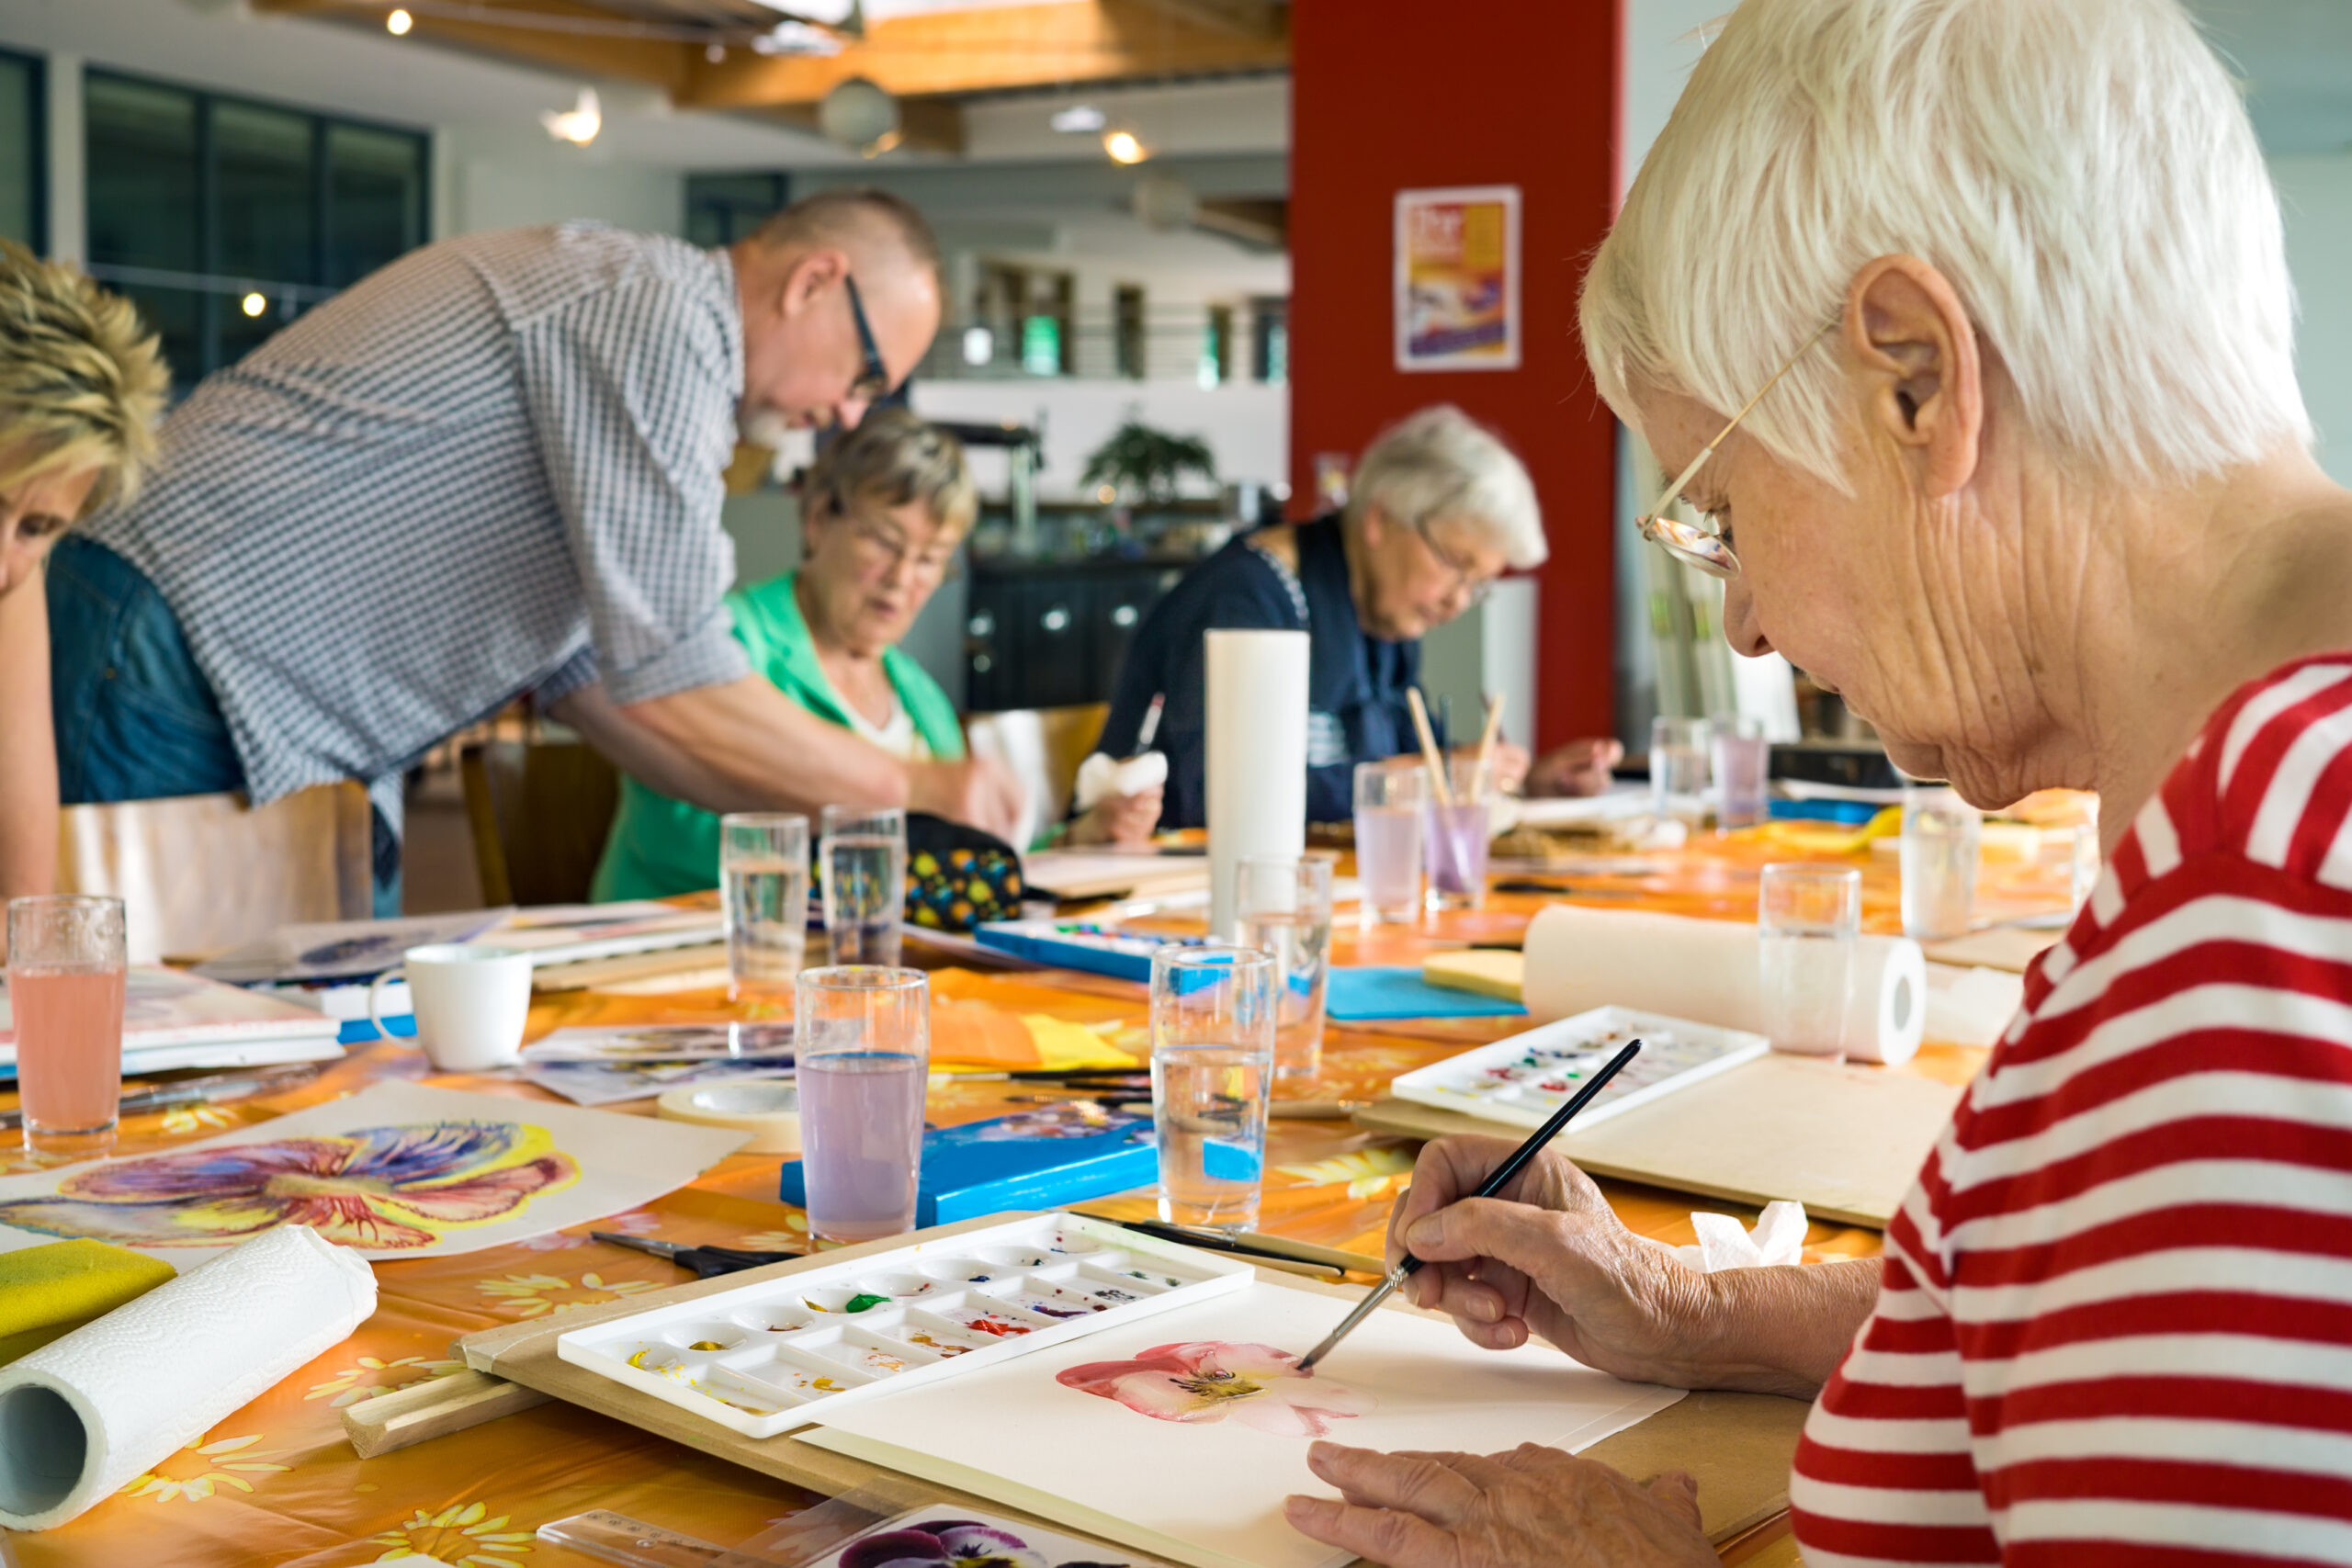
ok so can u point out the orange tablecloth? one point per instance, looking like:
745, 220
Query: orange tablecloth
276, 1484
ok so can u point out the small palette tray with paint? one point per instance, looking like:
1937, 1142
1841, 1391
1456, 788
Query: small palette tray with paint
756, 1360
1521, 1080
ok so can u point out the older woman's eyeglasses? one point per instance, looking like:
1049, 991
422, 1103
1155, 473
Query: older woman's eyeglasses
1466, 581
873, 376
1687, 542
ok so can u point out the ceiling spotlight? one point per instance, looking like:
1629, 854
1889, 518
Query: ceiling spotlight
715, 52
1124, 148
979, 345
397, 22
253, 304
578, 124
1079, 118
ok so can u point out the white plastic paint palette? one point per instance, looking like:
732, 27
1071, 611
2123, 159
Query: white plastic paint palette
759, 1358
1523, 1079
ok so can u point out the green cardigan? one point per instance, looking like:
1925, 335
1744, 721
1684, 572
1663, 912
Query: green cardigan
661, 846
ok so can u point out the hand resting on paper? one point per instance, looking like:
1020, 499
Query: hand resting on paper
1549, 1257
1533, 1507
1118, 818
1581, 767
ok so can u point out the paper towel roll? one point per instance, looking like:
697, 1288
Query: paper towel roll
1706, 971
1257, 756
84, 1414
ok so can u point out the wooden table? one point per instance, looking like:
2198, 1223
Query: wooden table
277, 1483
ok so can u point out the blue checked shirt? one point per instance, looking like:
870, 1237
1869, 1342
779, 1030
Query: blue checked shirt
495, 467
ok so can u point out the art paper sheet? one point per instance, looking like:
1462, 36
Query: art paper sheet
1181, 1435
397, 1170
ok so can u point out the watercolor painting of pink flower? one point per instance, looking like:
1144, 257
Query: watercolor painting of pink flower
381, 1188
953, 1543
1209, 1380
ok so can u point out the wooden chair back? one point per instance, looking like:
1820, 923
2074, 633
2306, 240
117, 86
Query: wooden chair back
199, 874
1045, 747
540, 811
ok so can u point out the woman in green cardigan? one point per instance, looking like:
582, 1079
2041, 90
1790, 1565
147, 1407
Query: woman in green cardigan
883, 511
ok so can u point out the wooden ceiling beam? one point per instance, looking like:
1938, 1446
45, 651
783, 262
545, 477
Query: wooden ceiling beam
1250, 19
981, 48
657, 63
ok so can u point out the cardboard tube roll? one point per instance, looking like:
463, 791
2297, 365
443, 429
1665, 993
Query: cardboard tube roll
1257, 756
1706, 971
84, 1414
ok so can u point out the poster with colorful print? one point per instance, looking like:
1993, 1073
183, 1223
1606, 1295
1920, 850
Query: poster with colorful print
1457, 278
397, 1170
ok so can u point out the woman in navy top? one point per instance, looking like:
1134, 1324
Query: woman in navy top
1440, 507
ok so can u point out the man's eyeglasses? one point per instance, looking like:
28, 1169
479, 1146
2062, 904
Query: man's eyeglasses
873, 376
1687, 542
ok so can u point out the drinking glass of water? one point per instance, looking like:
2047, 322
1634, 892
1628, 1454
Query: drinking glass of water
1808, 920
1212, 1069
66, 974
763, 882
1679, 769
863, 1037
1939, 852
1742, 760
1285, 904
862, 867
1392, 799
1455, 848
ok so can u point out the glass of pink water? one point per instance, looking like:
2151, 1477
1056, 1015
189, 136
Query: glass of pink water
1455, 844
67, 968
862, 1036
1392, 798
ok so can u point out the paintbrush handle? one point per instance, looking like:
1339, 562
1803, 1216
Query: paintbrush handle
1439, 784
1487, 746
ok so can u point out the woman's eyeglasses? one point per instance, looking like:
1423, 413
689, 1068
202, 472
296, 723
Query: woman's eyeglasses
1466, 581
873, 376
1687, 542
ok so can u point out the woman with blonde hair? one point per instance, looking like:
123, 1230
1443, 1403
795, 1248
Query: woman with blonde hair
81, 387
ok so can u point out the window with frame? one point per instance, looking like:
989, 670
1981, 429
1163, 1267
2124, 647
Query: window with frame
723, 209
24, 152
223, 218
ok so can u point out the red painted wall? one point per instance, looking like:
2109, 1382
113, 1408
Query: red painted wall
1404, 94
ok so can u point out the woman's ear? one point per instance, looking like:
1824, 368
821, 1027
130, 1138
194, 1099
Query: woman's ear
1916, 349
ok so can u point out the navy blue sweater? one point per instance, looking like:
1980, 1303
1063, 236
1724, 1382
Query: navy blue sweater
1356, 684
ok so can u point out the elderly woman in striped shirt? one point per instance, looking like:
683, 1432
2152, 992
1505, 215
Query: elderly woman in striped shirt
2000, 289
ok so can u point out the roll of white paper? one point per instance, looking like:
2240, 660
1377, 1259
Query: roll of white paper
85, 1414
1705, 971
1257, 756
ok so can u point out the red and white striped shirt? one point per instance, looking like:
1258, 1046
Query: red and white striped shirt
2115, 1322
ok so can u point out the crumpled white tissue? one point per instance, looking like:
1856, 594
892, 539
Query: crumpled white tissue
1100, 776
1725, 1242
1972, 1007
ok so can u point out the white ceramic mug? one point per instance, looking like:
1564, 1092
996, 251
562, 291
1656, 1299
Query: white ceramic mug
471, 1003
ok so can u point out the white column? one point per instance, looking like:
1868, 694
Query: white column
69, 212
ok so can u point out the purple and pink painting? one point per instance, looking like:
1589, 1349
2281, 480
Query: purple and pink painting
959, 1543
382, 1189
1207, 1381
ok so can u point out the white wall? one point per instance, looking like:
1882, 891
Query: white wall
2316, 189
487, 177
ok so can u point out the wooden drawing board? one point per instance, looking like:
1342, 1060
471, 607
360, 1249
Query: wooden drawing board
1738, 1446
1844, 1140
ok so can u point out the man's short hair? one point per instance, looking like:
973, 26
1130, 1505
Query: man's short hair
853, 215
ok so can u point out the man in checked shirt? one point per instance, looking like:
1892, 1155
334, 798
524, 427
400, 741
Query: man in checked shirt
493, 468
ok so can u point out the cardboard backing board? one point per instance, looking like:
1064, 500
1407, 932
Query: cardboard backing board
1738, 1446
1844, 1140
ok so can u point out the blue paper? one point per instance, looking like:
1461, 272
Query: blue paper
1361, 995
1033, 1159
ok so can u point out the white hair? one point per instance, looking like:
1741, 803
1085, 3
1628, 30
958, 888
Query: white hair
1441, 463
2082, 171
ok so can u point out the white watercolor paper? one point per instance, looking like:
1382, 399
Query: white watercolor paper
397, 1170
1202, 1480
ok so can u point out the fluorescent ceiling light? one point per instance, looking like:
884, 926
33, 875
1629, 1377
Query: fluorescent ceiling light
1078, 117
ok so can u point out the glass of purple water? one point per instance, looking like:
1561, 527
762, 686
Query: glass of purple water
863, 1033
1454, 847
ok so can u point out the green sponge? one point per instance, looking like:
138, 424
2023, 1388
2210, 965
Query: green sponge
49, 1292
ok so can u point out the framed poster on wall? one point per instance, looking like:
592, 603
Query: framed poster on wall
1457, 278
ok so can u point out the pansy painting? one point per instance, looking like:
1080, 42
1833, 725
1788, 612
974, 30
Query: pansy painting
966, 1543
1209, 1380
381, 1188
